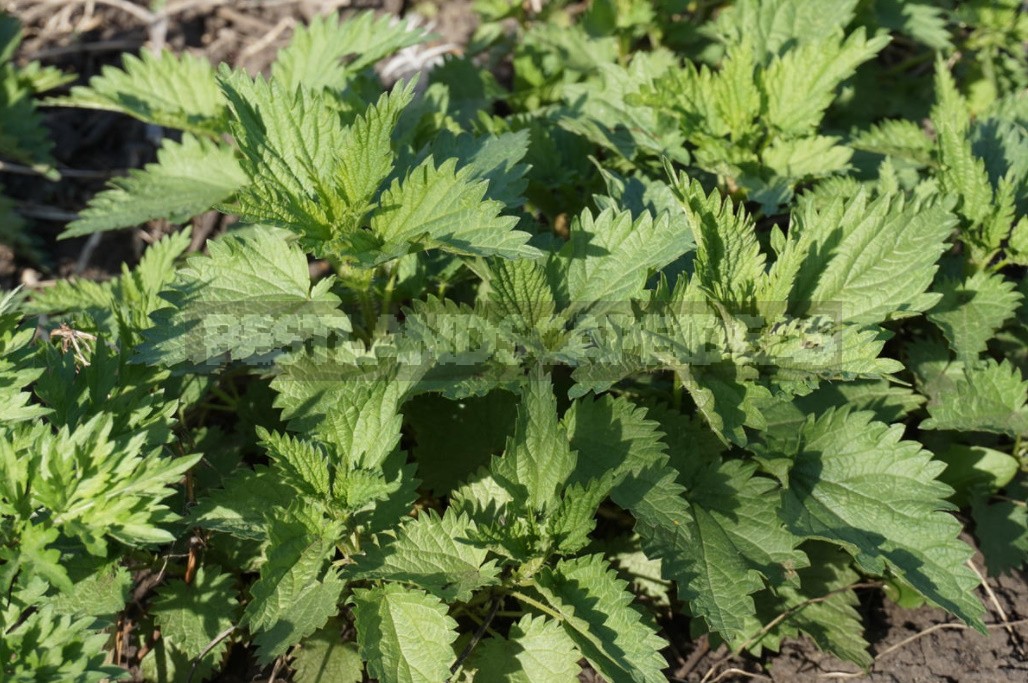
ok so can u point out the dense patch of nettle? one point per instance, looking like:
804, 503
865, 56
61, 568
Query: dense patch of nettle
757, 360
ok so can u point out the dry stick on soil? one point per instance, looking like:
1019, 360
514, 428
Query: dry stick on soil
236, 17
274, 669
186, 5
740, 672
138, 12
699, 652
1015, 641
267, 39
941, 627
920, 634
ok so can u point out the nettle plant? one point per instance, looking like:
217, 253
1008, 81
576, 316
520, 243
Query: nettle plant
477, 449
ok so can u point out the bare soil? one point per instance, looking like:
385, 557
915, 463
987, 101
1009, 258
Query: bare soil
910, 645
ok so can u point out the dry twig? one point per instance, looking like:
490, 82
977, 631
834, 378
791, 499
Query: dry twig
1015, 641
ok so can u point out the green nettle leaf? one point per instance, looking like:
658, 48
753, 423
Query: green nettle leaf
295, 594
896, 138
1018, 244
433, 553
603, 111
889, 402
358, 414
249, 298
101, 594
300, 463
323, 657
537, 650
646, 576
926, 23
989, 398
496, 158
729, 263
896, 520
439, 206
122, 302
166, 663
367, 157
607, 259
23, 137
192, 615
575, 517
867, 261
538, 459
288, 140
774, 25
804, 349
308, 173
239, 508
971, 312
522, 296
962, 173
404, 634
717, 540
598, 617
812, 157
314, 57
187, 179
728, 397
801, 83
611, 435
974, 470
177, 91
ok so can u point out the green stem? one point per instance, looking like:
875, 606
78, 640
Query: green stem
230, 401
1000, 265
367, 314
532, 602
387, 294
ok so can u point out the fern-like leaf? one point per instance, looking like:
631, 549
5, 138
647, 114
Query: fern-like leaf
187, 179
176, 91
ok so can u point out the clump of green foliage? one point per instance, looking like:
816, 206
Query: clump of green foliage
681, 331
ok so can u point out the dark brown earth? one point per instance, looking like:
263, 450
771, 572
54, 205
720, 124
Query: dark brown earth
910, 645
